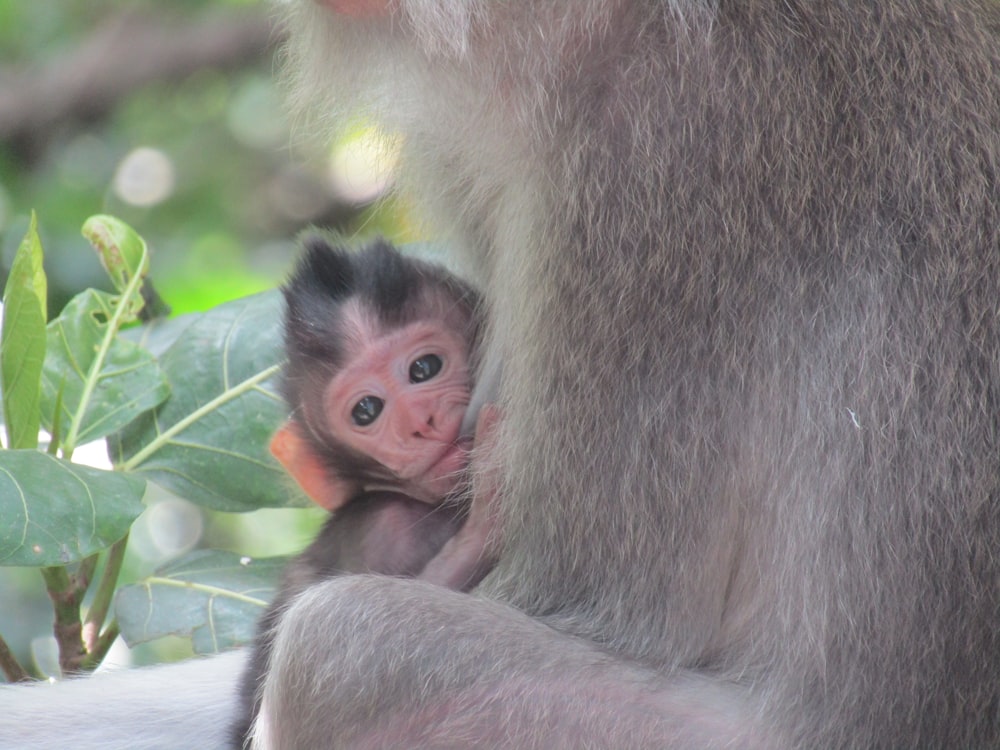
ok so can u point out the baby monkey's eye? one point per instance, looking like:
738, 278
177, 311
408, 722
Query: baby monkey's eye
367, 410
424, 368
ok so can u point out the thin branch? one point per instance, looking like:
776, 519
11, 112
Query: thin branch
105, 592
100, 648
11, 667
66, 598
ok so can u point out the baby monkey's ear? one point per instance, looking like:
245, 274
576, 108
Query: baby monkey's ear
295, 454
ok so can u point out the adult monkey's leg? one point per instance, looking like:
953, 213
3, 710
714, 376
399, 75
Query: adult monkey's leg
379, 662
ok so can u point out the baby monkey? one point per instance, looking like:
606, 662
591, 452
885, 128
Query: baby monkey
379, 370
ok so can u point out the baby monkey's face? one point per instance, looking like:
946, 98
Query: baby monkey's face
401, 399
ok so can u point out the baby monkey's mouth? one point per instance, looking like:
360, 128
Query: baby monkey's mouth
454, 456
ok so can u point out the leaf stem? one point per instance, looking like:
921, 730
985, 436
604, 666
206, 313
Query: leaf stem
101, 647
66, 598
228, 395
85, 571
11, 667
105, 591
55, 437
93, 375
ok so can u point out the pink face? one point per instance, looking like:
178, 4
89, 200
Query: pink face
401, 401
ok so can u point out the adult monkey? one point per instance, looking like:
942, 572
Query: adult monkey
743, 261
744, 267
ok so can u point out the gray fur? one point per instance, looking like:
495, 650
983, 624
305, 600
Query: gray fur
743, 262
743, 265
175, 707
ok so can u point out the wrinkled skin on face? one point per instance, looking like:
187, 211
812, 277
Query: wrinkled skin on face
401, 401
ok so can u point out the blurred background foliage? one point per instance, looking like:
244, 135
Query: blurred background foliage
169, 116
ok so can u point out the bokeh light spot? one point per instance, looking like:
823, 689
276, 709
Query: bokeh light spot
145, 177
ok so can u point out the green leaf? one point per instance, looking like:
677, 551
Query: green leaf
159, 335
208, 441
214, 597
55, 512
123, 254
22, 342
105, 383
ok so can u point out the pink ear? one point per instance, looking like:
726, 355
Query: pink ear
308, 471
